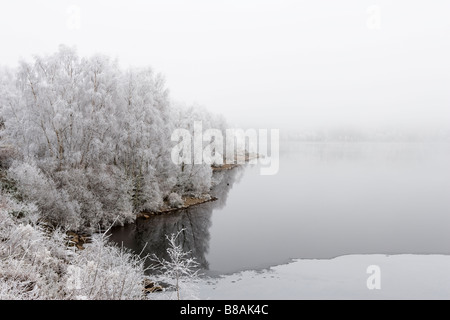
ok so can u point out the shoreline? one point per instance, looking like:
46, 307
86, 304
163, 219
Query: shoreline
188, 203
193, 201
343, 277
79, 238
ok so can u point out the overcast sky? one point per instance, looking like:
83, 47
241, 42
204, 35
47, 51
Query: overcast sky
287, 64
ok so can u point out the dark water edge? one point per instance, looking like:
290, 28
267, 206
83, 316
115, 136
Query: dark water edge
147, 236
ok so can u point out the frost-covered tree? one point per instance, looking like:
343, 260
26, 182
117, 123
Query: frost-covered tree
92, 141
143, 148
180, 271
195, 178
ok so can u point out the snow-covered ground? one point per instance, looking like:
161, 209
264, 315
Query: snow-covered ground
346, 277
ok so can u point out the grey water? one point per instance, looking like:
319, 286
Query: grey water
327, 200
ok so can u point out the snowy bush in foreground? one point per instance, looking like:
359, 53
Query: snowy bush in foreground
31, 261
37, 264
106, 272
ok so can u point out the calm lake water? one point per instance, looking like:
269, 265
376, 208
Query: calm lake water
328, 199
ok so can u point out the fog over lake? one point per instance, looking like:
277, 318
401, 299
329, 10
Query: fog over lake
328, 199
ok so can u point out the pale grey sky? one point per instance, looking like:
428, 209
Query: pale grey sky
265, 63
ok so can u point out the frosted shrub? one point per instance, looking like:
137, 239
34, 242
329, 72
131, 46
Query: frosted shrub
103, 194
7, 155
17, 281
55, 204
148, 197
106, 272
114, 191
195, 179
76, 198
11, 208
180, 271
175, 200
31, 262
36, 264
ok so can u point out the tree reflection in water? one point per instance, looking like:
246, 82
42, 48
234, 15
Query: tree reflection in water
150, 234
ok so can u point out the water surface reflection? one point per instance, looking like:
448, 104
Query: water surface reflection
148, 235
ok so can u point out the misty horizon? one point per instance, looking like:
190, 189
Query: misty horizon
296, 65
